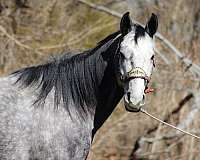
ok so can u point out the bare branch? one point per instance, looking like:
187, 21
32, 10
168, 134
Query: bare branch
163, 57
194, 68
101, 8
3, 30
191, 115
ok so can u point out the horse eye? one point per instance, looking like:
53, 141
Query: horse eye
152, 57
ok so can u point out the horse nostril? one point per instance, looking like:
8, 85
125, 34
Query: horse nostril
128, 96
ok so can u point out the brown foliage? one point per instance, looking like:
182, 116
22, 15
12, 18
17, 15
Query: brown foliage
31, 31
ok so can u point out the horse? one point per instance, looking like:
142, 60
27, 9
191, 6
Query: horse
53, 110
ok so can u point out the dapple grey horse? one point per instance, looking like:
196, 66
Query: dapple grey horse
52, 111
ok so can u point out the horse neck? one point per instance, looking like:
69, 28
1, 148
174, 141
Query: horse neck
110, 92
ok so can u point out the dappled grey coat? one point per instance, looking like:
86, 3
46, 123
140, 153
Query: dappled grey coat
52, 111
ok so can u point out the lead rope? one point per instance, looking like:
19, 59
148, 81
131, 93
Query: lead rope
185, 132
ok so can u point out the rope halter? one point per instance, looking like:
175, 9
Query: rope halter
137, 72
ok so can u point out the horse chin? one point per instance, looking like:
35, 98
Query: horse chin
130, 107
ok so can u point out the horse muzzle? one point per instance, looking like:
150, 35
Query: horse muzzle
133, 107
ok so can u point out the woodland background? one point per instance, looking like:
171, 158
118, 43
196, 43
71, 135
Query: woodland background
31, 31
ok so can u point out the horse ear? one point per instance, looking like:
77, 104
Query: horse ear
152, 25
125, 24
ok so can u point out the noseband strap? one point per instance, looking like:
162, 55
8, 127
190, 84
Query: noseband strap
136, 72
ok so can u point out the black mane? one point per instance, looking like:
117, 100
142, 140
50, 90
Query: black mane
75, 77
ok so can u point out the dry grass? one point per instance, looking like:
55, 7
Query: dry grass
51, 27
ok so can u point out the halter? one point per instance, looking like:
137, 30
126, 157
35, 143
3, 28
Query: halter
134, 73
